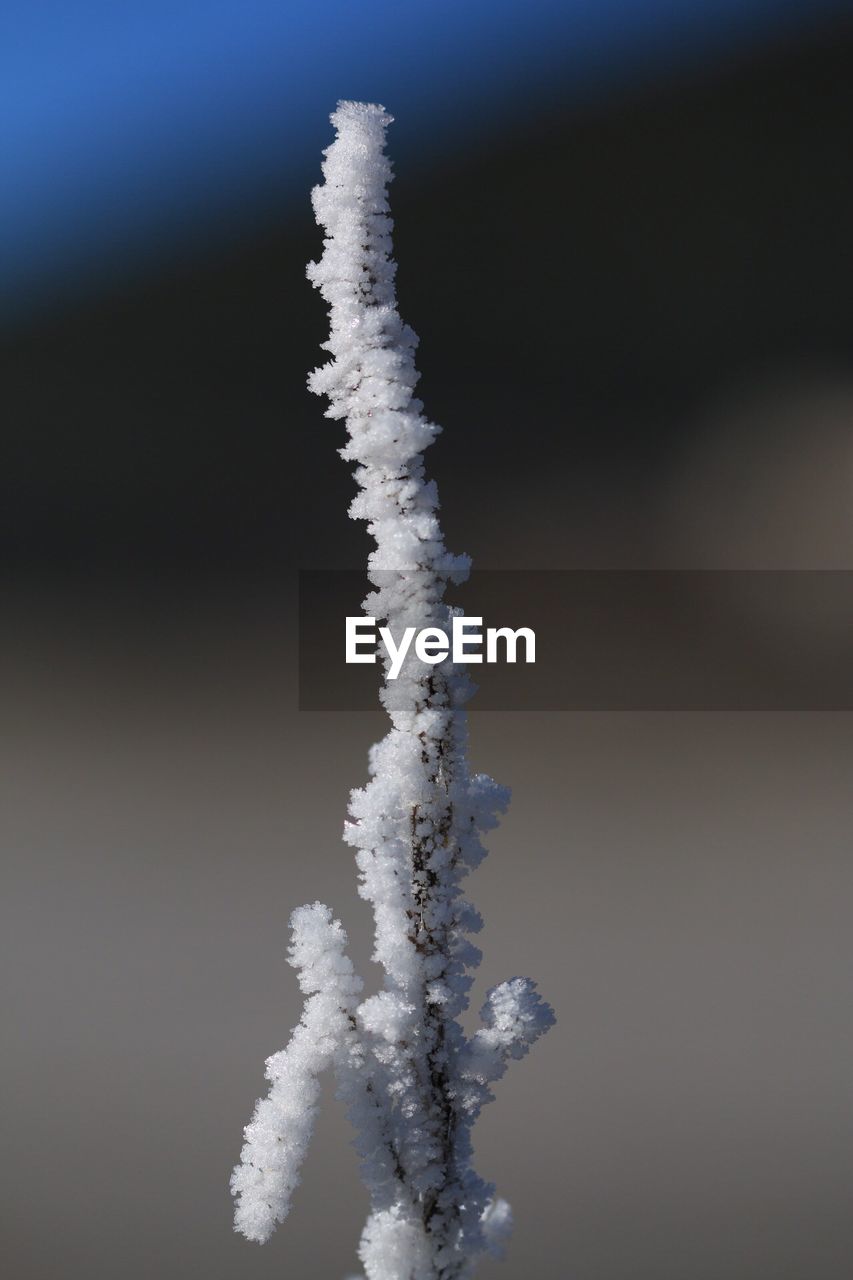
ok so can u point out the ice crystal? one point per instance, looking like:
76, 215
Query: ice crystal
412, 1081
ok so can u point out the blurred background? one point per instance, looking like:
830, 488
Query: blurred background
623, 229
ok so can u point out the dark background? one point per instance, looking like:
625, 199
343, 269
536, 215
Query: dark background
599, 290
634, 306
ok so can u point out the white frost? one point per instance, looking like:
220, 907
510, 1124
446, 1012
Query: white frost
278, 1134
413, 1083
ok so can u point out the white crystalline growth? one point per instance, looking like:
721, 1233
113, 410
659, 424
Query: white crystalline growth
278, 1134
412, 1081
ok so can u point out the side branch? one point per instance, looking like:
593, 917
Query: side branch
515, 1016
277, 1136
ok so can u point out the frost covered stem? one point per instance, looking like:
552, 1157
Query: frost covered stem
413, 1082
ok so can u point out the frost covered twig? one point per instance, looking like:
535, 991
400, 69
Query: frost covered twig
279, 1132
413, 1082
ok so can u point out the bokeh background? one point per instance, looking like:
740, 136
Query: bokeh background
623, 229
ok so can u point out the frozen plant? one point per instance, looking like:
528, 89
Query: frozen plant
412, 1081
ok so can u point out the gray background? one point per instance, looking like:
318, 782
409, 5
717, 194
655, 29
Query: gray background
678, 883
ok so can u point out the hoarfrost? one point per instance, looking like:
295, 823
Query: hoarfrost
412, 1081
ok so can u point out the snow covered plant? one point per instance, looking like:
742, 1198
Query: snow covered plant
413, 1082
